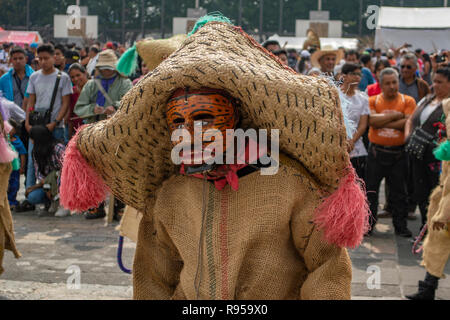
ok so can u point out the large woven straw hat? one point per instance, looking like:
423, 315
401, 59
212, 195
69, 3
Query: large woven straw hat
131, 150
326, 50
153, 52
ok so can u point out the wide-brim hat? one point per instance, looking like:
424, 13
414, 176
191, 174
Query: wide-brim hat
107, 59
131, 151
324, 51
153, 52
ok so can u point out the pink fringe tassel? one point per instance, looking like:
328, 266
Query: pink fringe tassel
344, 215
81, 186
6, 153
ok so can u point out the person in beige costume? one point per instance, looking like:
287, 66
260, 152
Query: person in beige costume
280, 236
436, 247
6, 222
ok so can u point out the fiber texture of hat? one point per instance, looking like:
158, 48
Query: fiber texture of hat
153, 52
131, 151
326, 50
106, 59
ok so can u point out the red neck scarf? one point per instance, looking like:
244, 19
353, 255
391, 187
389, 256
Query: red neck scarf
227, 173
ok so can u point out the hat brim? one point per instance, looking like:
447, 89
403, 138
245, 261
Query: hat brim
317, 55
132, 149
105, 68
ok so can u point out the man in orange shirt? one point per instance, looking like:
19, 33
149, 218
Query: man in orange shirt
388, 114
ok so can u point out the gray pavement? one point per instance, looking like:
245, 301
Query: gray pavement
53, 247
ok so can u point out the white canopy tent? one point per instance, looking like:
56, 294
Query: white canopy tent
425, 28
297, 42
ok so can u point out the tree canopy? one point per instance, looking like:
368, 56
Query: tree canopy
13, 13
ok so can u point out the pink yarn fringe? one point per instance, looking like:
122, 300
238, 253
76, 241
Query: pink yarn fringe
6, 153
344, 215
81, 186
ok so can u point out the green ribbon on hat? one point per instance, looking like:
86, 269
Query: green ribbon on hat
128, 62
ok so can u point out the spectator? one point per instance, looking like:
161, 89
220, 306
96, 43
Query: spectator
93, 105
79, 78
367, 77
305, 62
358, 106
144, 71
351, 56
93, 57
84, 57
35, 64
33, 53
47, 157
410, 84
388, 114
391, 59
419, 55
374, 89
60, 60
282, 55
326, 58
14, 83
72, 56
41, 86
377, 56
271, 45
18, 164
426, 74
4, 57
417, 88
426, 170
293, 58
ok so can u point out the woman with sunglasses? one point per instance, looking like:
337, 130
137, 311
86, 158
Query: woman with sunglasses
358, 112
428, 117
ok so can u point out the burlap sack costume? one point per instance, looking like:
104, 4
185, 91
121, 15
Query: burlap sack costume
277, 237
436, 247
6, 221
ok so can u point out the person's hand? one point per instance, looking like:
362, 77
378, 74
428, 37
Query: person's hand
22, 170
99, 110
29, 190
110, 110
397, 114
350, 145
438, 225
51, 126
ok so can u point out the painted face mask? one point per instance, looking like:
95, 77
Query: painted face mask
205, 114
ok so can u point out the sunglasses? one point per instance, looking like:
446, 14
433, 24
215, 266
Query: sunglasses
407, 66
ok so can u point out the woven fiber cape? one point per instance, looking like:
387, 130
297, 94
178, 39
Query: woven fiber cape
131, 151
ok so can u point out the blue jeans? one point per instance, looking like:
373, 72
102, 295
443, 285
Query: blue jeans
13, 187
37, 196
58, 133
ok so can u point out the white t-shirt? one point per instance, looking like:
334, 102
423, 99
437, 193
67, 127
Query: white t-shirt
358, 106
42, 86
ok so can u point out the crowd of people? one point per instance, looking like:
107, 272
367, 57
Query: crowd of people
50, 91
395, 98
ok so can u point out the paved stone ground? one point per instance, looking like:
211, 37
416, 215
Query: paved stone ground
51, 245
